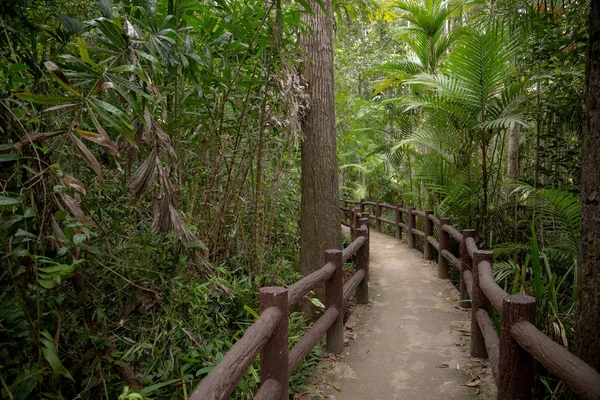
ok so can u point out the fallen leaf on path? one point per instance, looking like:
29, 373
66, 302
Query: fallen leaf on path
336, 387
443, 366
474, 382
350, 325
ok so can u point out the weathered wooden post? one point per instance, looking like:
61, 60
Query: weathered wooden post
378, 216
398, 221
428, 247
444, 241
335, 298
515, 367
274, 355
366, 216
362, 205
362, 263
478, 301
465, 264
410, 236
356, 217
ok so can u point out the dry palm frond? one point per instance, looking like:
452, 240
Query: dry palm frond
144, 177
24, 143
87, 155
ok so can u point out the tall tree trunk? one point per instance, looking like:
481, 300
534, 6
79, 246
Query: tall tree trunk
319, 210
587, 340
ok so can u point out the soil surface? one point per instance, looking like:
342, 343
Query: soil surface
410, 342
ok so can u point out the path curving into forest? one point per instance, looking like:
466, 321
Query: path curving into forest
410, 342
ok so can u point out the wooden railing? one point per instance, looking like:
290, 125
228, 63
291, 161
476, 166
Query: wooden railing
268, 335
512, 353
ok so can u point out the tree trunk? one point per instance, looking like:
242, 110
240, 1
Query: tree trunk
319, 210
587, 340
514, 139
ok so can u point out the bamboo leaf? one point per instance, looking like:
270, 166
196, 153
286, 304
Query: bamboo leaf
60, 77
43, 99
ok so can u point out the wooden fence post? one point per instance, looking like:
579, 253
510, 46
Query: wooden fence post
515, 367
398, 220
428, 247
378, 216
274, 356
465, 265
444, 241
479, 300
334, 298
362, 205
362, 263
356, 217
410, 236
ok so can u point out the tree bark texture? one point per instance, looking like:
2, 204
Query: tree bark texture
319, 220
587, 339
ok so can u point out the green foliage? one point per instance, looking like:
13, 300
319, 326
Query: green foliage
136, 227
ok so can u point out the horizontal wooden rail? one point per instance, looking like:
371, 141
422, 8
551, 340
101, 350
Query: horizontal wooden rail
434, 219
311, 338
352, 201
492, 291
468, 277
308, 283
270, 390
433, 242
223, 379
456, 235
492, 341
353, 247
418, 232
455, 262
368, 203
403, 226
352, 284
387, 221
419, 213
570, 369
471, 246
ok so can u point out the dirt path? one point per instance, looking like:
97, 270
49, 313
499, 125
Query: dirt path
411, 342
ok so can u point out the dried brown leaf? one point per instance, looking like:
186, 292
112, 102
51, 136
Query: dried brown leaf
24, 143
69, 181
474, 382
87, 155
72, 207
102, 139
144, 177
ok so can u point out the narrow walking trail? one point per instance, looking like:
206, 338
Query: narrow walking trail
411, 342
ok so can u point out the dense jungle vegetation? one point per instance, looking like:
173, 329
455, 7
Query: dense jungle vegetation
150, 164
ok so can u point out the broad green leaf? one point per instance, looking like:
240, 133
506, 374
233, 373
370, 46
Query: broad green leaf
51, 356
56, 273
9, 201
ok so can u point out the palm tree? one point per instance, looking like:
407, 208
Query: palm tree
474, 95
